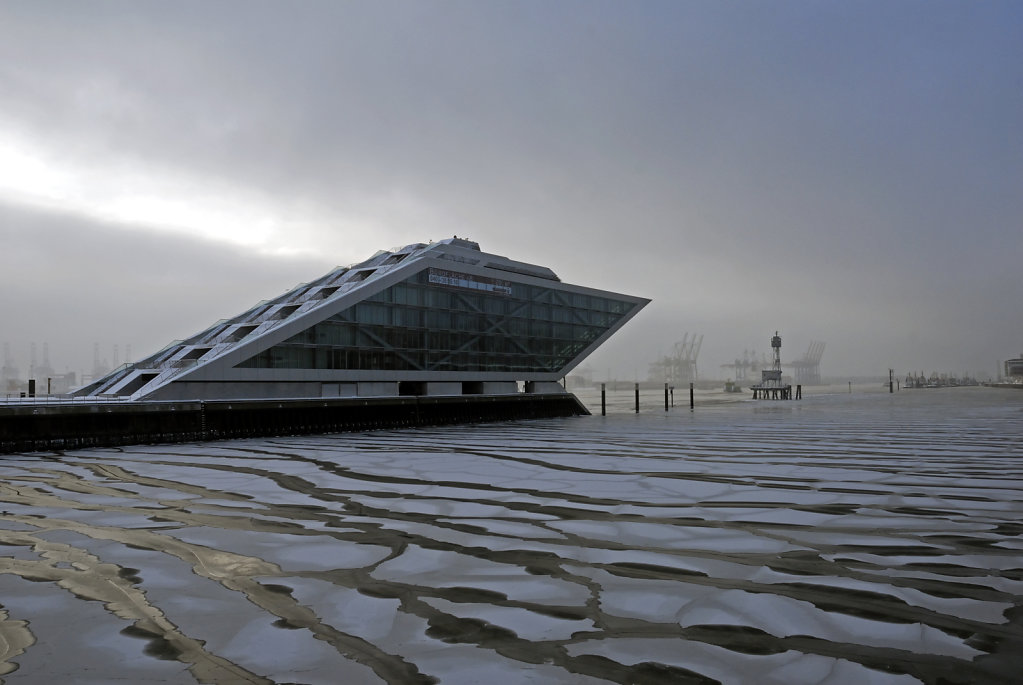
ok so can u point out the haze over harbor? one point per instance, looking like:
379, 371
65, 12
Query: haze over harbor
846, 173
845, 538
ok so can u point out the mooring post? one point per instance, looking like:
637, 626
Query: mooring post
692, 401
673, 395
637, 398
603, 399
891, 383
850, 386
665, 397
799, 392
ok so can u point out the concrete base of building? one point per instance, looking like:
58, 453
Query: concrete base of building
36, 427
251, 390
443, 388
378, 388
546, 387
339, 389
499, 388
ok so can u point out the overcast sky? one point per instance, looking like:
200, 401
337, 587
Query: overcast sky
848, 172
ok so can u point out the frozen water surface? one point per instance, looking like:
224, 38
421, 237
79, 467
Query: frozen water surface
844, 538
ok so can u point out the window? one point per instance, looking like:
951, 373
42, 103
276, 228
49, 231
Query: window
432, 326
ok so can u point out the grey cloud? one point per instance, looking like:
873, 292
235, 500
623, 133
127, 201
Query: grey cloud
73, 283
841, 172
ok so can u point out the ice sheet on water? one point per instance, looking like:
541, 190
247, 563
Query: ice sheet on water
819, 537
437, 568
729, 666
973, 560
304, 552
511, 529
346, 609
669, 536
448, 533
784, 616
526, 624
883, 530
285, 655
650, 600
440, 508
990, 612
455, 664
967, 608
764, 515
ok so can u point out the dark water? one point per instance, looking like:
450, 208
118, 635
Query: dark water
846, 538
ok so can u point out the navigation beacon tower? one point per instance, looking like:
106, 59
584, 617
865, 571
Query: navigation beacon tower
771, 386
776, 346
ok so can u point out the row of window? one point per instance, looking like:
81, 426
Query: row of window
418, 291
437, 338
490, 306
417, 325
348, 358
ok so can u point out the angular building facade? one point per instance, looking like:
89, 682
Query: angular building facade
441, 318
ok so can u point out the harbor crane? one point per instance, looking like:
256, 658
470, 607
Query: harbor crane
807, 369
679, 367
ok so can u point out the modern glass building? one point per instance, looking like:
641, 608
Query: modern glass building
442, 318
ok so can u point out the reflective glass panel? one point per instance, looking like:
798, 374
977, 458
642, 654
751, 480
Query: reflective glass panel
449, 321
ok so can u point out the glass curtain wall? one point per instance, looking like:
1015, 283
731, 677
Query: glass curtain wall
445, 321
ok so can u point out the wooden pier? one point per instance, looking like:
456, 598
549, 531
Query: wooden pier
776, 392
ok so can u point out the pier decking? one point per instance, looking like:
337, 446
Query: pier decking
775, 392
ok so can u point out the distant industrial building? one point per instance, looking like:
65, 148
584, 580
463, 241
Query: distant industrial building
1014, 369
442, 318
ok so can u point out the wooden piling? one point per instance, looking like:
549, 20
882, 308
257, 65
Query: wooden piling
637, 398
692, 399
603, 399
665, 397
